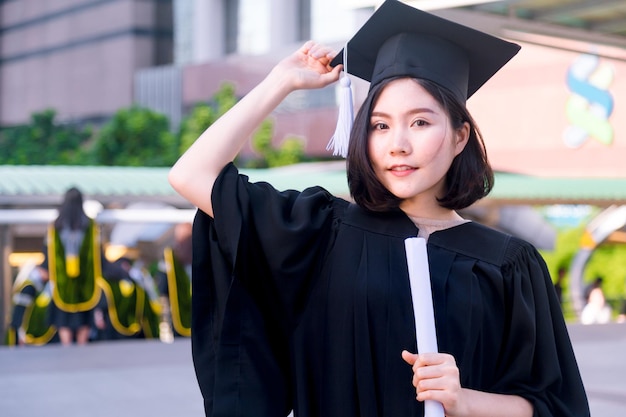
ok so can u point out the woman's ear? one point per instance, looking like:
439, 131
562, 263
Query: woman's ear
461, 137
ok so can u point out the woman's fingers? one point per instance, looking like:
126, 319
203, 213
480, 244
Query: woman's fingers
320, 52
317, 56
409, 357
432, 372
307, 68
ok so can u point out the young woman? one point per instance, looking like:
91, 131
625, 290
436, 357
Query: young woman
73, 262
301, 300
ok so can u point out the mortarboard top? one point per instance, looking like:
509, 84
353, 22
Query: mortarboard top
401, 40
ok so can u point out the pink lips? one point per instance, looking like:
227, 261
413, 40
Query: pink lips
402, 170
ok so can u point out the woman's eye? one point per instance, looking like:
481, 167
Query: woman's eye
420, 122
379, 126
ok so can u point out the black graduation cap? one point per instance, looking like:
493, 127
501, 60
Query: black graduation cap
401, 40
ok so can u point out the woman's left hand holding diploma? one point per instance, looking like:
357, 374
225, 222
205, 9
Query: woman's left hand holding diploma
436, 377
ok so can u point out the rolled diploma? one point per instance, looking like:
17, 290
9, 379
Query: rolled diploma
421, 294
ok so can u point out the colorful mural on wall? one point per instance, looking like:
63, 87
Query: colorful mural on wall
591, 102
556, 112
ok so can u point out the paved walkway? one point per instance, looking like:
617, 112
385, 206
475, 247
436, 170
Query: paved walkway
149, 378
601, 354
105, 379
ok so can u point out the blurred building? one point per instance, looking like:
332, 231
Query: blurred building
78, 57
554, 122
88, 58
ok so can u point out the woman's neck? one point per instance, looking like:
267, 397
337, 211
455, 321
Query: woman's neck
429, 225
428, 211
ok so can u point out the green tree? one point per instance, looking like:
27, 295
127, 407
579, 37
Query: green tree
204, 115
609, 262
291, 150
43, 142
566, 246
201, 116
224, 99
135, 136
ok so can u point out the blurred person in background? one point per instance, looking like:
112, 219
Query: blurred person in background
596, 310
129, 307
174, 281
30, 316
74, 263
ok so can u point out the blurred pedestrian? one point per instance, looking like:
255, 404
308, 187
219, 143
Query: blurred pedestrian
596, 310
74, 261
174, 280
30, 317
130, 305
558, 284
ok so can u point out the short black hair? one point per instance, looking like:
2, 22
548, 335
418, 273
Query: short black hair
468, 179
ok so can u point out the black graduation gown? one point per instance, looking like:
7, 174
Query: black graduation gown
302, 300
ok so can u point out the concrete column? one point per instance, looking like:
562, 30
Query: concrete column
208, 30
6, 278
284, 22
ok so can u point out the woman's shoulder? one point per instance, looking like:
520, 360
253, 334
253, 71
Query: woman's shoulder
483, 243
393, 223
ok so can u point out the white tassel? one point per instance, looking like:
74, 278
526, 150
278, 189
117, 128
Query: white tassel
340, 140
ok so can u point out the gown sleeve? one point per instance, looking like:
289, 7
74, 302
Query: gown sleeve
498, 314
252, 270
21, 301
537, 360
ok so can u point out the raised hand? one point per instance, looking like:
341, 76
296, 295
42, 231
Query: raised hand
308, 67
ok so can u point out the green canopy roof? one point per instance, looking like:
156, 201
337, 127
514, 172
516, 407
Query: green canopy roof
45, 185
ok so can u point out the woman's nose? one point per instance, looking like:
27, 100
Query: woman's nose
400, 143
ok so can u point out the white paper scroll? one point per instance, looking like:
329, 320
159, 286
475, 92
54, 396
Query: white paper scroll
421, 294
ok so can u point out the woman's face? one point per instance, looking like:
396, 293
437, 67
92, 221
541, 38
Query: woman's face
412, 145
